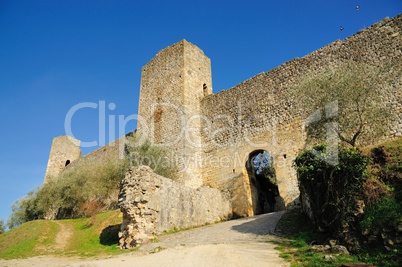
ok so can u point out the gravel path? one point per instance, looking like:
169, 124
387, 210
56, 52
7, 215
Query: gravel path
242, 242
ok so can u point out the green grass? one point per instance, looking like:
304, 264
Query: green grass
30, 239
296, 246
93, 236
89, 236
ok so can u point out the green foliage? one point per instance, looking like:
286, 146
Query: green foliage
384, 214
88, 237
387, 165
331, 189
381, 191
357, 89
2, 226
23, 210
269, 173
157, 157
387, 212
68, 195
382, 258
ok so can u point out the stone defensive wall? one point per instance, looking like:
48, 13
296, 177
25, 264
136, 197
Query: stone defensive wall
65, 154
216, 135
109, 153
152, 204
261, 114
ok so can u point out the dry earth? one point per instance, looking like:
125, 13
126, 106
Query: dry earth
242, 242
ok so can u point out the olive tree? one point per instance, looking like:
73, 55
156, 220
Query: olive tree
357, 89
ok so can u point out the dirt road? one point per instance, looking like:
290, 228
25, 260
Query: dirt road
242, 242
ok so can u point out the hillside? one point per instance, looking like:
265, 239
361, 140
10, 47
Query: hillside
74, 237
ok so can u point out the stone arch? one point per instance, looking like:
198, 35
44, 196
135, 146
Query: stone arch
262, 181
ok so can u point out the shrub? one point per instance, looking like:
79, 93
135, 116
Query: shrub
387, 166
89, 186
23, 210
374, 190
157, 157
387, 212
77, 192
2, 226
332, 190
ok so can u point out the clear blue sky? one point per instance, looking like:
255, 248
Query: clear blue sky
56, 54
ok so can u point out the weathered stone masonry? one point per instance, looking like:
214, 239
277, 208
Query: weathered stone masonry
152, 204
64, 151
213, 135
172, 85
258, 114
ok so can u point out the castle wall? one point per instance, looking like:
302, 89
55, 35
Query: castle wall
109, 153
152, 204
64, 151
172, 86
161, 96
212, 136
261, 114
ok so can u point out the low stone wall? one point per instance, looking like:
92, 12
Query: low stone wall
152, 204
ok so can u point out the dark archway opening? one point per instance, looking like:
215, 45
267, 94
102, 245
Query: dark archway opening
67, 162
263, 185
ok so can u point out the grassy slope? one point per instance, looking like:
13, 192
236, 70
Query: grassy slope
28, 239
88, 237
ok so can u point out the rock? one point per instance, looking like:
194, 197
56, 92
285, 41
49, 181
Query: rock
338, 249
332, 242
359, 207
329, 257
319, 248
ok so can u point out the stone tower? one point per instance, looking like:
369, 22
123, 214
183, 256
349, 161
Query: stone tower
172, 85
65, 150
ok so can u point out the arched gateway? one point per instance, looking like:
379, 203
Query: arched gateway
211, 136
214, 138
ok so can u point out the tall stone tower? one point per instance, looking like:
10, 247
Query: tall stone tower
172, 85
65, 150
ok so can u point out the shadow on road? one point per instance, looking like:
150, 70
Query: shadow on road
259, 225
